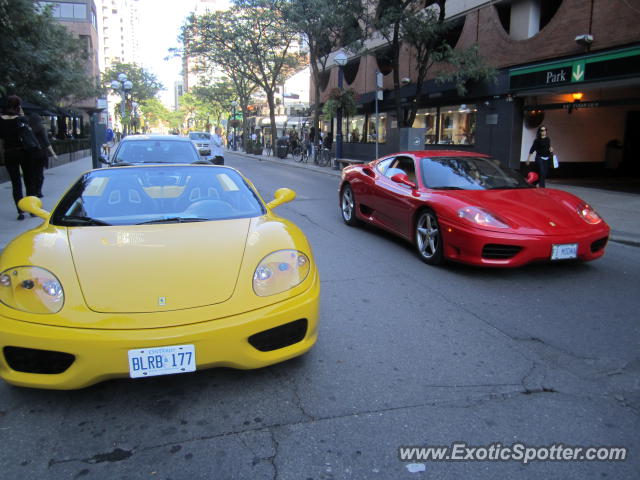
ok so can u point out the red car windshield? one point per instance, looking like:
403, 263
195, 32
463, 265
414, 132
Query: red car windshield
469, 173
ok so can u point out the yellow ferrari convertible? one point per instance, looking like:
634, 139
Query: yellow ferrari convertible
154, 270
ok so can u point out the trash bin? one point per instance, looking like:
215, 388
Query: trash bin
282, 147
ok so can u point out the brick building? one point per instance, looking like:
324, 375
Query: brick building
573, 65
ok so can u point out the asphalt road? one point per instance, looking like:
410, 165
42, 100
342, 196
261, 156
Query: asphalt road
408, 355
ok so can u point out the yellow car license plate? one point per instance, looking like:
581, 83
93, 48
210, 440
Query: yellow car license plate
149, 362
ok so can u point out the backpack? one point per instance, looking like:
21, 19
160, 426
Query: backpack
27, 137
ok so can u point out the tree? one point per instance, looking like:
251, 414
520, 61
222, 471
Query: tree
211, 59
215, 100
145, 85
421, 25
155, 113
33, 66
325, 27
256, 34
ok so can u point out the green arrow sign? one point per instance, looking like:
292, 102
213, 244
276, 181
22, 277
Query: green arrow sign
577, 72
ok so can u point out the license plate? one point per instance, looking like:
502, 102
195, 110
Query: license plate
564, 252
153, 361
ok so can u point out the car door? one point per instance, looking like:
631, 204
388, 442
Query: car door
394, 201
365, 188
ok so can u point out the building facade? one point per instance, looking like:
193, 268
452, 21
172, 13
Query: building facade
118, 32
80, 18
573, 65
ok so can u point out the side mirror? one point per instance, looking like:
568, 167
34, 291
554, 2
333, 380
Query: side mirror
104, 160
404, 180
532, 178
282, 195
33, 205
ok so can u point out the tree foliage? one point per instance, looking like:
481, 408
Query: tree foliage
41, 61
145, 86
253, 37
421, 25
326, 26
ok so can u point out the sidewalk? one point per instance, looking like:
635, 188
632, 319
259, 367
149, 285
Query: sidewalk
621, 210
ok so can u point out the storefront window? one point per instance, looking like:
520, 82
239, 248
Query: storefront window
457, 125
373, 132
426, 118
355, 129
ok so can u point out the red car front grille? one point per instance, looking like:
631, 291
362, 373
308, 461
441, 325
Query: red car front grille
494, 251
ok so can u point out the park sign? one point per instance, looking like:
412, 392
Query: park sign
612, 65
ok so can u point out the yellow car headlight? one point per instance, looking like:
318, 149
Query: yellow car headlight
280, 271
31, 289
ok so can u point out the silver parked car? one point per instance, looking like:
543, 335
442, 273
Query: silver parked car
202, 141
144, 149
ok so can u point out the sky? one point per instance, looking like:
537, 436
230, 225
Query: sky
160, 22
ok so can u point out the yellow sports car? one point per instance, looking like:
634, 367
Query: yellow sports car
154, 270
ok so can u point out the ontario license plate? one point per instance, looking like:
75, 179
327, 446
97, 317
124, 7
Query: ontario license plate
153, 361
564, 252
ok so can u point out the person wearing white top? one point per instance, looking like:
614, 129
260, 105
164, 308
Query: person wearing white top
217, 147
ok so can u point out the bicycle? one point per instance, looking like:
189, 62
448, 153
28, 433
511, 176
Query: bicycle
322, 156
296, 152
303, 154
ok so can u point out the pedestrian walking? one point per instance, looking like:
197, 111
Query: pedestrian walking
544, 152
15, 156
40, 157
217, 147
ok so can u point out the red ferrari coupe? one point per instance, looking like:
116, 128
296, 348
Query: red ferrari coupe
467, 207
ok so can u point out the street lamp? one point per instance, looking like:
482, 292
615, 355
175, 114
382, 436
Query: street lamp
341, 59
233, 145
122, 86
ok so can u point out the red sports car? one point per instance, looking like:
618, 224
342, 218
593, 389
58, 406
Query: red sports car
467, 207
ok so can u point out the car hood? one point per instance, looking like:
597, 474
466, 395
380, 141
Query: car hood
530, 210
151, 268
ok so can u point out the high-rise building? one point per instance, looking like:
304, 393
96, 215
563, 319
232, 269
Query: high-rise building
190, 74
118, 20
118, 32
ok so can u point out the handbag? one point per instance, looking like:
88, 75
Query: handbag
556, 164
27, 137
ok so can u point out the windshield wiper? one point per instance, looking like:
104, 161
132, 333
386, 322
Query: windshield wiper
446, 188
508, 187
80, 220
174, 220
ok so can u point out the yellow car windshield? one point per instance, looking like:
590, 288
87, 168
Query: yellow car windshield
157, 194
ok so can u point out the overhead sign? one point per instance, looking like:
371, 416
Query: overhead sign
577, 71
589, 68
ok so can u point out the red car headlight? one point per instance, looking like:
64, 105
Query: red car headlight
481, 217
588, 214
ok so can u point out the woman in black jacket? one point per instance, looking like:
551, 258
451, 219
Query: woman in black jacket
544, 152
16, 157
41, 156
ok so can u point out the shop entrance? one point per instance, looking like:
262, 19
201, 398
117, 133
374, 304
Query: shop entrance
631, 147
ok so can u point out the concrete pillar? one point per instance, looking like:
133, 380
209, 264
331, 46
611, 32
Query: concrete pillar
525, 19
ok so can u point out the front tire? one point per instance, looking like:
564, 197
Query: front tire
348, 206
428, 238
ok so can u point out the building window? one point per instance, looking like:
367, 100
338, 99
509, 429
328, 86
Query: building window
66, 9
457, 125
355, 129
79, 11
379, 133
426, 118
